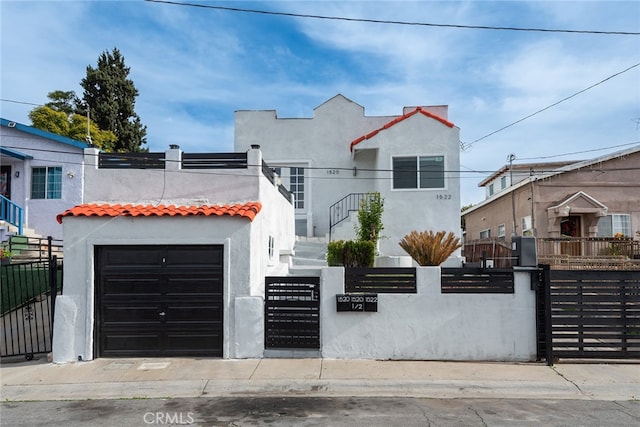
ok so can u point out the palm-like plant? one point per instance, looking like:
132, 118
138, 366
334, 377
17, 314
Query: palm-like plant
429, 248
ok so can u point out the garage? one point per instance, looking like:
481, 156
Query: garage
159, 300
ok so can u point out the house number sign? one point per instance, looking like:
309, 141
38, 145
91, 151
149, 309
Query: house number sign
357, 302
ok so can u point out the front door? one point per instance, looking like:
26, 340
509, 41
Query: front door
5, 181
571, 227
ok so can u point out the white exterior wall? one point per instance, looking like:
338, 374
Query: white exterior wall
246, 257
430, 325
406, 210
73, 338
319, 142
322, 145
40, 214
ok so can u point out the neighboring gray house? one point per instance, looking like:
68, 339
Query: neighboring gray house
328, 160
41, 174
599, 197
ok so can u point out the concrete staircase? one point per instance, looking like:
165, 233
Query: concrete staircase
26, 247
309, 256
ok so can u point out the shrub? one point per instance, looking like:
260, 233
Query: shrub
351, 253
334, 253
370, 217
429, 248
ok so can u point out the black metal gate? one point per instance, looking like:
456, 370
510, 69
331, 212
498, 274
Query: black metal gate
28, 294
292, 313
589, 314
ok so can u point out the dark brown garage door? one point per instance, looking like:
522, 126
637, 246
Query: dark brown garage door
159, 301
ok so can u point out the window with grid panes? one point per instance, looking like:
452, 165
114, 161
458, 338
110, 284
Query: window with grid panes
46, 182
296, 181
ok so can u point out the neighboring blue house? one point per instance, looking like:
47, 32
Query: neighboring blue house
41, 175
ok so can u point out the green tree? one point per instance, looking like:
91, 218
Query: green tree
64, 101
48, 119
111, 96
72, 126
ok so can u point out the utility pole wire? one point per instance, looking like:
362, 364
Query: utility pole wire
382, 21
467, 146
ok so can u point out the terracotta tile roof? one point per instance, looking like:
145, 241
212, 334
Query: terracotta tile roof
398, 120
245, 210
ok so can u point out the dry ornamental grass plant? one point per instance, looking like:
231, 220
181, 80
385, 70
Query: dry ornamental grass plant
429, 248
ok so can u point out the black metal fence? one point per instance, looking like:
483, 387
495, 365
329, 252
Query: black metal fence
131, 160
27, 306
476, 281
379, 280
589, 314
214, 160
292, 313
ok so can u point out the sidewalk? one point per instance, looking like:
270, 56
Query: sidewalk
186, 377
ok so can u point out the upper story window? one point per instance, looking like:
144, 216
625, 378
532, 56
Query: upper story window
296, 186
418, 172
610, 225
490, 189
503, 182
485, 234
46, 182
502, 231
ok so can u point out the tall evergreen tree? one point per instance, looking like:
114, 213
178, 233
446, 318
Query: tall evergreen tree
111, 97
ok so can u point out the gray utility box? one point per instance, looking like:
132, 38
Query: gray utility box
523, 249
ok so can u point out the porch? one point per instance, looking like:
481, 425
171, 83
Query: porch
609, 253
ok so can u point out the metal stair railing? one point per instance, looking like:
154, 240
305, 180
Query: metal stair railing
11, 213
341, 209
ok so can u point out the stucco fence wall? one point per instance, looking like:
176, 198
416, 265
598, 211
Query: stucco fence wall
427, 325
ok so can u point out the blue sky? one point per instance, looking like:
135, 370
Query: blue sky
194, 67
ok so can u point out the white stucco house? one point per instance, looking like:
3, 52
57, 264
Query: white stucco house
329, 160
41, 174
167, 252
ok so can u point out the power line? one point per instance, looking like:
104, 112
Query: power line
580, 152
467, 146
20, 102
319, 168
384, 21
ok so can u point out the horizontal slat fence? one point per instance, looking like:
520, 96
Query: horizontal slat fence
476, 281
595, 314
214, 160
131, 160
387, 280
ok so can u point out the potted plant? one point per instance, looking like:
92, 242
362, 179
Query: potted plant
5, 256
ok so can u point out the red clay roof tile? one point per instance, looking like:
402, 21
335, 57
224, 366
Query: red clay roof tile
246, 210
398, 120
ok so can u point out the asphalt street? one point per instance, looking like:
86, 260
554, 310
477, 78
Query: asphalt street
319, 411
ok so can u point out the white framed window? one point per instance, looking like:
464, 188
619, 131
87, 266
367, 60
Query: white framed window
502, 231
610, 225
503, 182
296, 185
491, 189
46, 182
485, 234
418, 172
